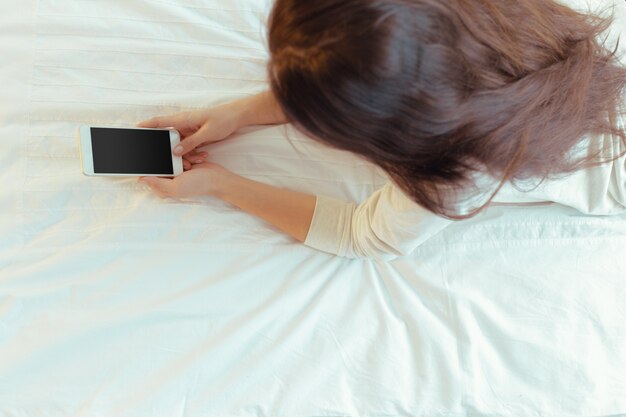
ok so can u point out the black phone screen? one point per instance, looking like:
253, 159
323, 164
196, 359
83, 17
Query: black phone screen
131, 151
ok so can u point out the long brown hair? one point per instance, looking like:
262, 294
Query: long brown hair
435, 92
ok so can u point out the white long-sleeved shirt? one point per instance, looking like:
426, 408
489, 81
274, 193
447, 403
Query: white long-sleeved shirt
389, 224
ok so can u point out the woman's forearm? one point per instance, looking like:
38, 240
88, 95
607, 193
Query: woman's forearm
261, 109
289, 211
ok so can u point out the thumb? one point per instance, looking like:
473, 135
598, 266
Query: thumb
162, 187
155, 182
191, 142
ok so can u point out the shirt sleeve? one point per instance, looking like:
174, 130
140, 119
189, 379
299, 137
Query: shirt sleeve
385, 226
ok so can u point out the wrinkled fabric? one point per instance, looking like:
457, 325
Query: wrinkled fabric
116, 303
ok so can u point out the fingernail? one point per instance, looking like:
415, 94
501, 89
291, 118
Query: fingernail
198, 161
178, 150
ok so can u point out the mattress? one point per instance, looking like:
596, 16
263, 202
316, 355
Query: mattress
114, 302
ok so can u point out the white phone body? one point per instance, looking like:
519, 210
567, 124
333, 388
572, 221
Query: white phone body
142, 158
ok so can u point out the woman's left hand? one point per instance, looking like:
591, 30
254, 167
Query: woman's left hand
202, 179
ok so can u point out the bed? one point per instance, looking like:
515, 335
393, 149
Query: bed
116, 303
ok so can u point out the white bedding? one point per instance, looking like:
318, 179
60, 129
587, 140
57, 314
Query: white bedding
115, 303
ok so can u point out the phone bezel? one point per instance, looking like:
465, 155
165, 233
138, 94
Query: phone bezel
86, 152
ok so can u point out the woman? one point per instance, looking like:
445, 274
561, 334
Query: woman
462, 102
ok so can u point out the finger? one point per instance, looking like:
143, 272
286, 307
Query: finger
193, 155
160, 121
196, 154
202, 165
194, 159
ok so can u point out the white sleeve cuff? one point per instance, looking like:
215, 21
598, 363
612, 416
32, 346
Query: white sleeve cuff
331, 225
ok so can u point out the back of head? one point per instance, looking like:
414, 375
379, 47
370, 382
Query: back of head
435, 92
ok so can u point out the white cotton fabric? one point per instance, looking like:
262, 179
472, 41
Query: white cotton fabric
114, 303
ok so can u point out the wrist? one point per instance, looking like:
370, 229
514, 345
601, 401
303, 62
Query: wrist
260, 109
223, 182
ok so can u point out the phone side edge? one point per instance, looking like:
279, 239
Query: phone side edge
177, 161
86, 155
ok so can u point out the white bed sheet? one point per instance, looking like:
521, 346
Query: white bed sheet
116, 303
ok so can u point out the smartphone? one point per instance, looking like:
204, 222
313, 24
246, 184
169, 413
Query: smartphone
129, 152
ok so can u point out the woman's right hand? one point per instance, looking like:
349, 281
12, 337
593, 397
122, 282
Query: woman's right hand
199, 127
